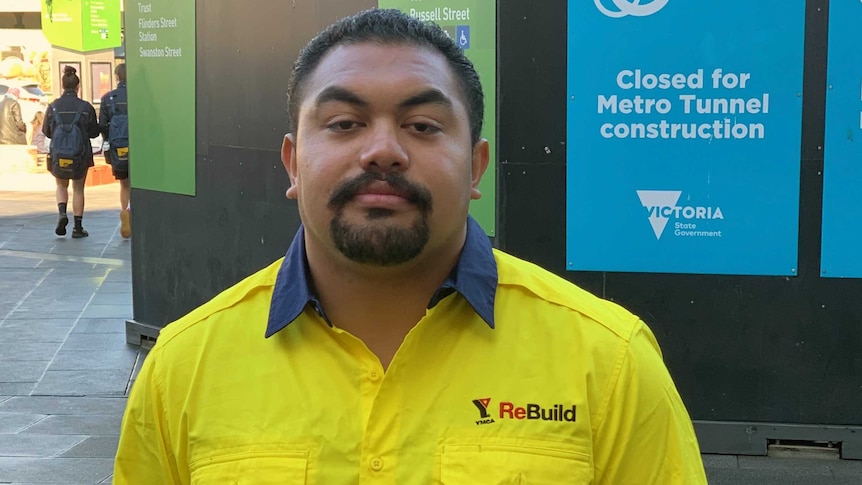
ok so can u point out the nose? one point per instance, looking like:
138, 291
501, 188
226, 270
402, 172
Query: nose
383, 150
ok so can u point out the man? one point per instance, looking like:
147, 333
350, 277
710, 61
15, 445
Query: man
114, 125
13, 130
400, 348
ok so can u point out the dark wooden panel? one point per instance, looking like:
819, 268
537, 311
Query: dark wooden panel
187, 249
245, 52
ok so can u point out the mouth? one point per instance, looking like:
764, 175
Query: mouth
382, 195
383, 188
377, 191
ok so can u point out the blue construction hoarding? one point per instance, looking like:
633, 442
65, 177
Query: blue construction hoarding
683, 136
841, 253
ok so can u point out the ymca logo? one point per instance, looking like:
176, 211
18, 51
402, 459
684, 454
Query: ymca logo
624, 8
531, 411
663, 205
482, 406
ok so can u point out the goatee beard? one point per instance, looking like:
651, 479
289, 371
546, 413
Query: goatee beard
376, 241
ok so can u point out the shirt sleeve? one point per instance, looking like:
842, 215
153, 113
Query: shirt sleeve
144, 454
93, 125
646, 436
105, 116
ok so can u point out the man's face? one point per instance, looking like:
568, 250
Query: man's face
382, 163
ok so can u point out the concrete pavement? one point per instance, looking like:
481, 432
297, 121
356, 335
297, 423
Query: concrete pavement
65, 367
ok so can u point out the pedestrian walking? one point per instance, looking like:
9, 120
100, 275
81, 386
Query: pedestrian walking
38, 140
13, 130
70, 123
114, 125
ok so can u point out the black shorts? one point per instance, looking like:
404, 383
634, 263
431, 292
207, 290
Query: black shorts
119, 175
78, 176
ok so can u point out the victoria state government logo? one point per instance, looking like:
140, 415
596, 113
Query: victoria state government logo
662, 206
529, 411
624, 8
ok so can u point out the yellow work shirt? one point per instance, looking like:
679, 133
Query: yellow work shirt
554, 386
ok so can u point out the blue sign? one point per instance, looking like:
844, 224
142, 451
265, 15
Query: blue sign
841, 253
462, 35
684, 126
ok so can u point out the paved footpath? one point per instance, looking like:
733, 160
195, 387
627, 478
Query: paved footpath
65, 367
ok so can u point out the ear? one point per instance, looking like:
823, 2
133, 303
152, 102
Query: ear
288, 158
481, 157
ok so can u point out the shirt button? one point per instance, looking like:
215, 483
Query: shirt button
374, 375
376, 464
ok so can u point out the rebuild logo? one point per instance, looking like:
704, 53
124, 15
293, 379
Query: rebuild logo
529, 411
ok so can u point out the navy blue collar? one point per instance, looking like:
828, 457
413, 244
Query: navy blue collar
121, 84
474, 277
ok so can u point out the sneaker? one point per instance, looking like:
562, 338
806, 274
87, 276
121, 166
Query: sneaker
62, 222
78, 233
125, 224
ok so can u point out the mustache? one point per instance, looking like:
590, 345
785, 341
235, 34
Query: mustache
414, 193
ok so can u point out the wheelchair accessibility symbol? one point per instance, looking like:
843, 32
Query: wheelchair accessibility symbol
462, 36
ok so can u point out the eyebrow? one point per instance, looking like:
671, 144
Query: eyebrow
337, 94
429, 96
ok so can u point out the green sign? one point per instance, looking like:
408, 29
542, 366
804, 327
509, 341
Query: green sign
160, 57
82, 25
473, 25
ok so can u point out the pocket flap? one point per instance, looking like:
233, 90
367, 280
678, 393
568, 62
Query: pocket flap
258, 467
522, 462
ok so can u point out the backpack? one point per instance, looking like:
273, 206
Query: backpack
118, 131
67, 147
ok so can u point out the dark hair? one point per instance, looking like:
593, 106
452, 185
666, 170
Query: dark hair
120, 71
70, 79
387, 26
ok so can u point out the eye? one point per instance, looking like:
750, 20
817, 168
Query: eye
343, 125
423, 128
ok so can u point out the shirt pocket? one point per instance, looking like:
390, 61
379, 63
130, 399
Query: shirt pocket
259, 468
519, 462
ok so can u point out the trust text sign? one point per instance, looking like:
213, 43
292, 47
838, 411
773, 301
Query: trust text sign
684, 125
842, 166
160, 52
